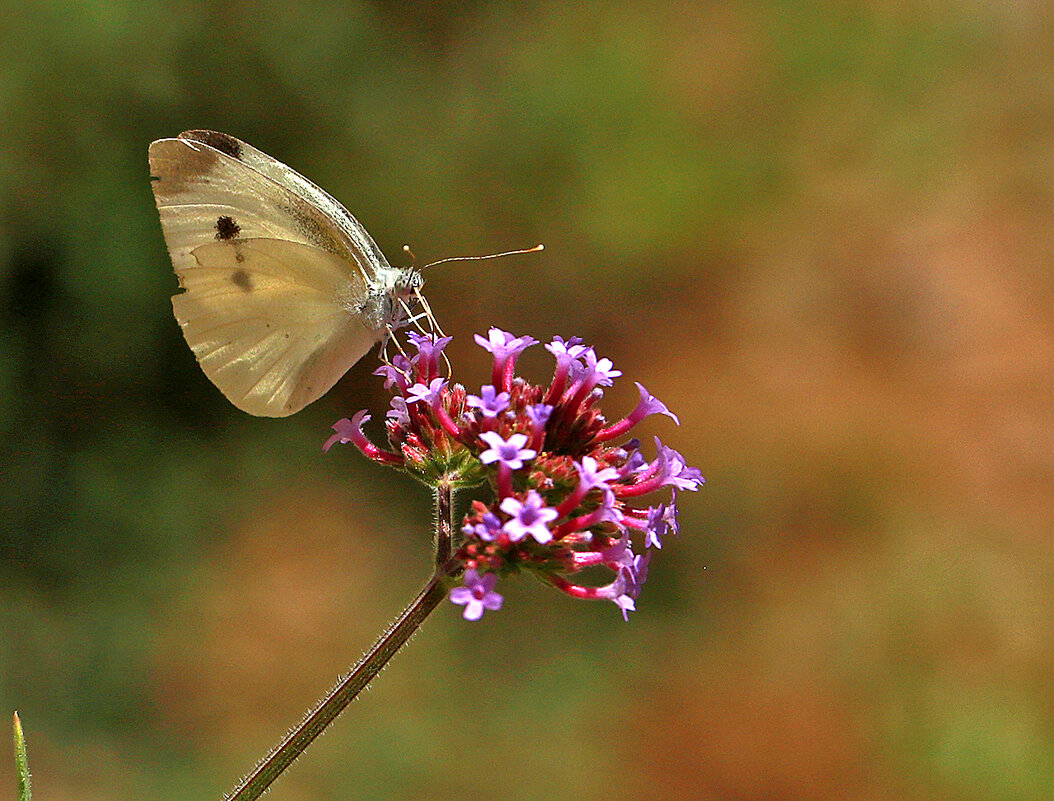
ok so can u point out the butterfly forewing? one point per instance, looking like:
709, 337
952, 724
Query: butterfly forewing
203, 193
268, 321
296, 183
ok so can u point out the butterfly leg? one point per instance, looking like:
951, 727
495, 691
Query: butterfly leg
433, 324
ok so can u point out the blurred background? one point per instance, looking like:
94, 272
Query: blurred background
820, 232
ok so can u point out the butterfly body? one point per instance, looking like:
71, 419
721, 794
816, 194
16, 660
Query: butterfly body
283, 289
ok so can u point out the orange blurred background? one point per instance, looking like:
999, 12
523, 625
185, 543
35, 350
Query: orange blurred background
820, 232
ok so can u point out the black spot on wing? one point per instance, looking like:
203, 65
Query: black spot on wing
242, 280
214, 139
227, 228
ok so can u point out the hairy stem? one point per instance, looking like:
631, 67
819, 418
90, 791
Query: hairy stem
444, 523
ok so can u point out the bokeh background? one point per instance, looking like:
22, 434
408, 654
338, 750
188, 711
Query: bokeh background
821, 232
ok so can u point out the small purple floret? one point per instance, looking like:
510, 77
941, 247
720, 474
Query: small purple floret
539, 414
675, 469
346, 431
528, 518
656, 527
490, 402
649, 404
600, 372
428, 348
510, 453
399, 413
589, 477
503, 344
569, 349
396, 373
429, 394
487, 530
477, 594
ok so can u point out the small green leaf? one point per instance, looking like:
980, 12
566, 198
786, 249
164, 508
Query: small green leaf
21, 763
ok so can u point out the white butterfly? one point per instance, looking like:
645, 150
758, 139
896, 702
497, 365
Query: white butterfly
283, 289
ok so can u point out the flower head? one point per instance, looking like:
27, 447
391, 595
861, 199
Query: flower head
564, 497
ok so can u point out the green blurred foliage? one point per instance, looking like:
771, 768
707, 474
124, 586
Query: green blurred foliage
820, 232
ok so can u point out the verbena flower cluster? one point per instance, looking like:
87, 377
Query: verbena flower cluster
565, 497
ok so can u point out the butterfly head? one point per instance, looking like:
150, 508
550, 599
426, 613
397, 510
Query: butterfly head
408, 282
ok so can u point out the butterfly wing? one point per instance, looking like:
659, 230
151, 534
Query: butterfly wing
272, 322
275, 271
357, 238
205, 194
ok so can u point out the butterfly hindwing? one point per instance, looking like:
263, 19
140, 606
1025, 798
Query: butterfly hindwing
271, 321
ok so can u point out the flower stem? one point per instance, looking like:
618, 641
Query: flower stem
444, 496
391, 640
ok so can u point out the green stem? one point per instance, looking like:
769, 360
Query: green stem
391, 640
21, 763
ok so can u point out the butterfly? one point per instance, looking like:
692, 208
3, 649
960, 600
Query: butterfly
283, 290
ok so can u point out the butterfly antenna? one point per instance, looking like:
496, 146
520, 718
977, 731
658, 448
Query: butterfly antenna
535, 249
413, 258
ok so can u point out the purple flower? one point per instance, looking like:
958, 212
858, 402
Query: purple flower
608, 511
623, 591
564, 481
598, 373
539, 414
491, 402
429, 394
510, 452
656, 526
396, 373
351, 431
428, 348
566, 350
503, 344
670, 515
399, 413
647, 405
589, 477
677, 472
487, 530
477, 594
619, 553
428, 345
626, 605
636, 574
528, 518
635, 461
668, 469
346, 430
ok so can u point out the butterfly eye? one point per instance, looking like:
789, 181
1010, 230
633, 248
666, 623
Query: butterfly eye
409, 281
